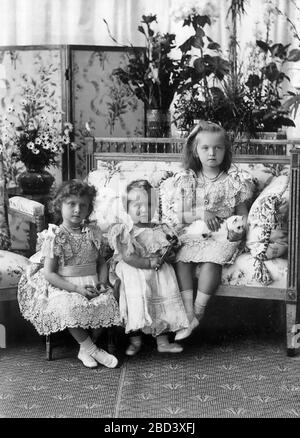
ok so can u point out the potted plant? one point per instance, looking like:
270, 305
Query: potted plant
199, 95
264, 87
292, 102
152, 75
33, 135
222, 90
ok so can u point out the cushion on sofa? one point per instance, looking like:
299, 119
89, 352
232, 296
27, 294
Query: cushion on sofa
243, 272
12, 266
264, 173
111, 179
19, 226
267, 235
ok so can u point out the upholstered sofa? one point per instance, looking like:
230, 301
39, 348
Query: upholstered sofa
268, 266
26, 218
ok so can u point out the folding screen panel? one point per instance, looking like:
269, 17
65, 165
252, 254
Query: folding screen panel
100, 99
19, 64
82, 86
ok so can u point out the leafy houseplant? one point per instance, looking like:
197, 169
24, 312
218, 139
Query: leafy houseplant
292, 103
267, 80
198, 92
214, 88
152, 74
31, 134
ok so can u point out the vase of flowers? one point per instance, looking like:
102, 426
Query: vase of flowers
158, 123
35, 182
152, 75
34, 135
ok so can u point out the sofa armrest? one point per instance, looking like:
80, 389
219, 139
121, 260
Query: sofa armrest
32, 211
26, 206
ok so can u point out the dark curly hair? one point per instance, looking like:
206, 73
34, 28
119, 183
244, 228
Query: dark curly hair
73, 187
191, 159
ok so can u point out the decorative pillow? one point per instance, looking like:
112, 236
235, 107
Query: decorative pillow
19, 232
12, 266
111, 179
267, 225
19, 227
243, 272
167, 192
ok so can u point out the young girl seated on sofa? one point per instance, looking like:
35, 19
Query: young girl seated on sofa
63, 293
150, 300
211, 190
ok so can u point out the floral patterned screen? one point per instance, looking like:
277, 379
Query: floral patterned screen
100, 99
15, 64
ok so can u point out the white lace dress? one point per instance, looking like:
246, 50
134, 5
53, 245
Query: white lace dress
51, 309
149, 300
220, 197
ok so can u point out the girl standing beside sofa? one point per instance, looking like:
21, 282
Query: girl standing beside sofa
209, 189
150, 300
62, 293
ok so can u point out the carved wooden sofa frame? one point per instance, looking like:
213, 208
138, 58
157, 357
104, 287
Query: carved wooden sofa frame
274, 151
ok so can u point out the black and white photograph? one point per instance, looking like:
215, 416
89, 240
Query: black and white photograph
150, 212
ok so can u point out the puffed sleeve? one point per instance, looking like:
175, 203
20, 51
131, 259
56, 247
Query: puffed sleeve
47, 243
242, 185
121, 234
185, 180
169, 230
96, 235
185, 184
99, 239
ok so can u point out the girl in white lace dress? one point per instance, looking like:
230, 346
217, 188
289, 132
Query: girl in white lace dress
211, 189
63, 293
150, 300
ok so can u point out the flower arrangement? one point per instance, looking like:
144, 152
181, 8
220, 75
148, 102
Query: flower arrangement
32, 133
151, 74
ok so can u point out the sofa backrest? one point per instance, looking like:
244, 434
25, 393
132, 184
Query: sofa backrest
112, 176
265, 239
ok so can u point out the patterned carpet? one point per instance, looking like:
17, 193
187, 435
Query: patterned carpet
245, 376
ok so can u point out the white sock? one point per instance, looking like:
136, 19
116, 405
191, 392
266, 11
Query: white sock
164, 346
136, 340
200, 303
187, 298
162, 340
88, 345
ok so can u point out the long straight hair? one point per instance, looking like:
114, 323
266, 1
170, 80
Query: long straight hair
190, 156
